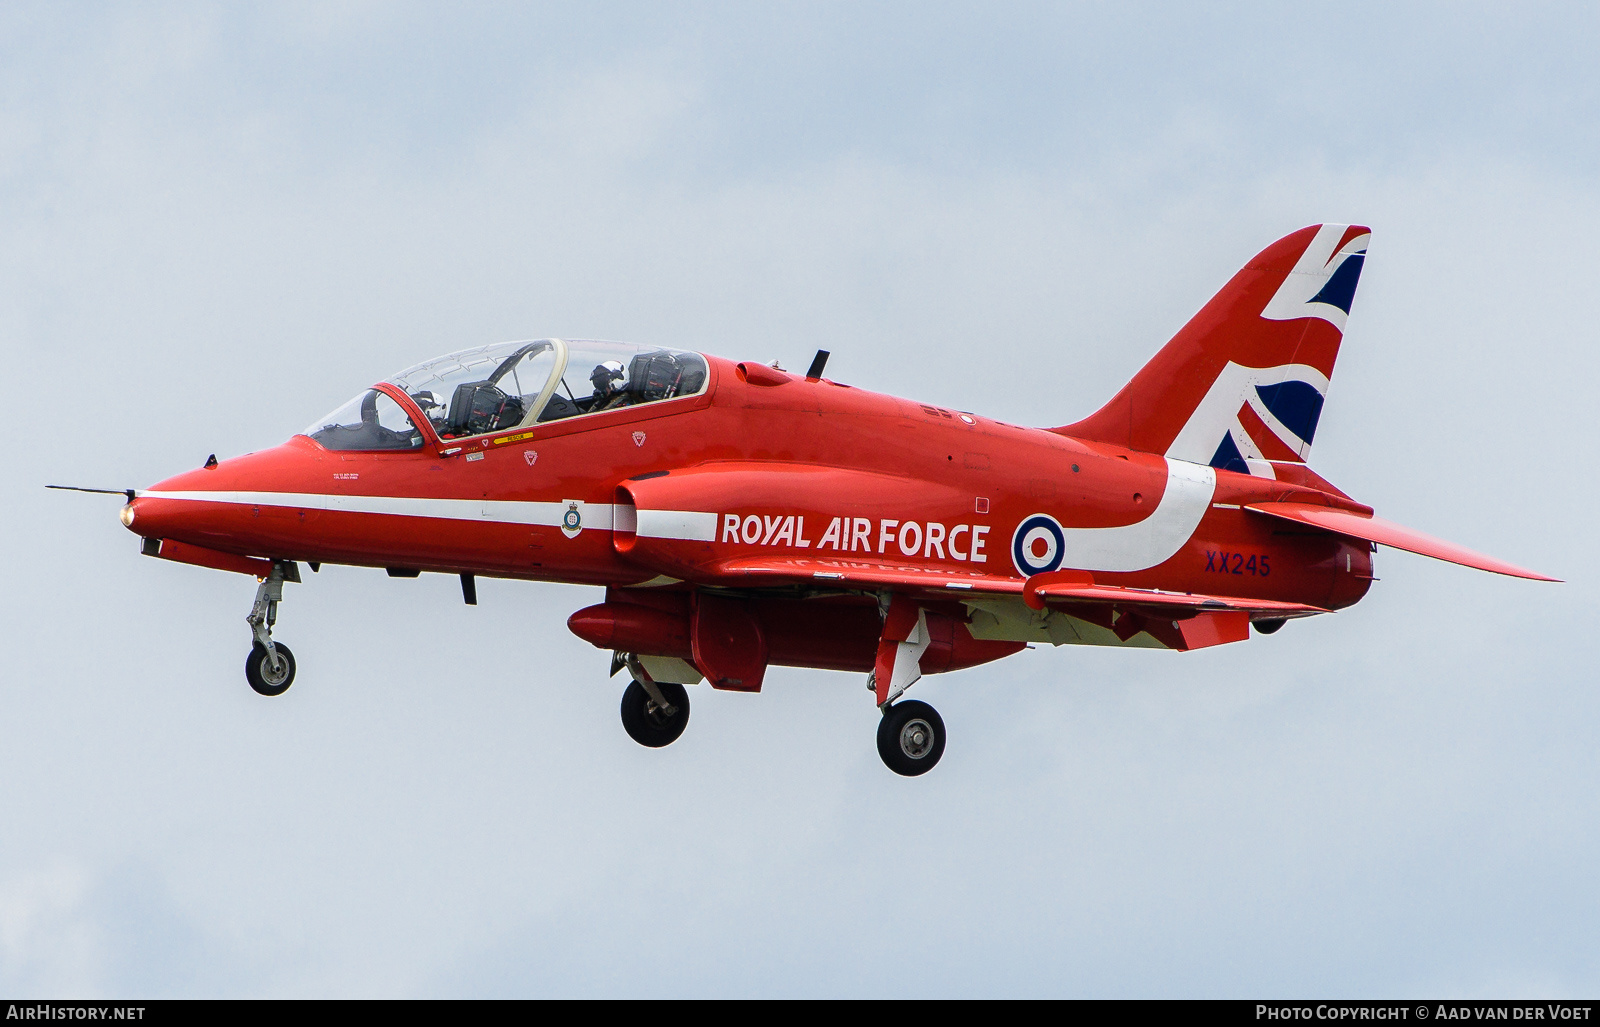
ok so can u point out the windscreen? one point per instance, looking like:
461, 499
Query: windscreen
370, 421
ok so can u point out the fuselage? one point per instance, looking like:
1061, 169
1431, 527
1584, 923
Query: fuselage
851, 475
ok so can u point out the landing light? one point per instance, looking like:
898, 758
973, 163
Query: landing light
126, 514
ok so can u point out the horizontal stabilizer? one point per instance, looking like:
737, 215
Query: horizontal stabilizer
1388, 533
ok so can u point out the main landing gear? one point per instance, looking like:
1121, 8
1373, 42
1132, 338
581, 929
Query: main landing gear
910, 737
270, 666
911, 733
654, 713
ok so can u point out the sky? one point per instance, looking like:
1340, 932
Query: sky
221, 221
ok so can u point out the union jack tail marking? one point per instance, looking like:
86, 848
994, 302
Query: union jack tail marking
1242, 385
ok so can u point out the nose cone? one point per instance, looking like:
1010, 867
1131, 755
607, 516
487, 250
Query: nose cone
220, 505
159, 517
165, 511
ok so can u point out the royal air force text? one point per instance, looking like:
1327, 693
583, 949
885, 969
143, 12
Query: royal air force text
926, 539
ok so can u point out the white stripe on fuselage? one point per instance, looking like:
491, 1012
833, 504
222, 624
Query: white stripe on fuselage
686, 525
500, 511
1154, 540
1131, 547
671, 524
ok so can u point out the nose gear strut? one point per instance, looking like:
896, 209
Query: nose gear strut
270, 666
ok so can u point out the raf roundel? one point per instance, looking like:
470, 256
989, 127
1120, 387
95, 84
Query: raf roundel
1038, 545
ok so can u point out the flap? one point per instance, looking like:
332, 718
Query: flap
865, 574
1040, 591
1388, 533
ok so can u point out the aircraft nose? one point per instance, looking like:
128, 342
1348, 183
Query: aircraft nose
151, 517
154, 516
217, 505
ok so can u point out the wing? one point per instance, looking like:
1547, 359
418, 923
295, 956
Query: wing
1388, 533
1179, 620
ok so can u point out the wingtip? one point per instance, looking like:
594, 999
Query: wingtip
1510, 570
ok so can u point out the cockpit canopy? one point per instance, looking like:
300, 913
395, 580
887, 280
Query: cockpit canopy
511, 385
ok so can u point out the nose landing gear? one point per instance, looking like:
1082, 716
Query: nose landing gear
266, 677
270, 666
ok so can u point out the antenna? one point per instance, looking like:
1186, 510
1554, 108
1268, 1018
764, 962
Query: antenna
818, 362
130, 493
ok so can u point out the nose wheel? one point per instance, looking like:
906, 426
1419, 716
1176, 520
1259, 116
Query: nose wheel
270, 666
910, 738
265, 676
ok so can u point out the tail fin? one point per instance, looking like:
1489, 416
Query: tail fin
1241, 386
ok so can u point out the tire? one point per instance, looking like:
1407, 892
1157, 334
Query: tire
911, 738
259, 673
1267, 627
650, 727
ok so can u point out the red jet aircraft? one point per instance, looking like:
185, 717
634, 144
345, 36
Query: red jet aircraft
739, 516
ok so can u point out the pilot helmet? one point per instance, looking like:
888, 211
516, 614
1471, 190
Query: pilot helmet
606, 375
428, 401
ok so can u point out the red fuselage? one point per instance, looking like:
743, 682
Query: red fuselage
889, 479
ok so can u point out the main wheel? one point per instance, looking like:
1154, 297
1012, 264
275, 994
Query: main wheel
258, 671
911, 738
649, 725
